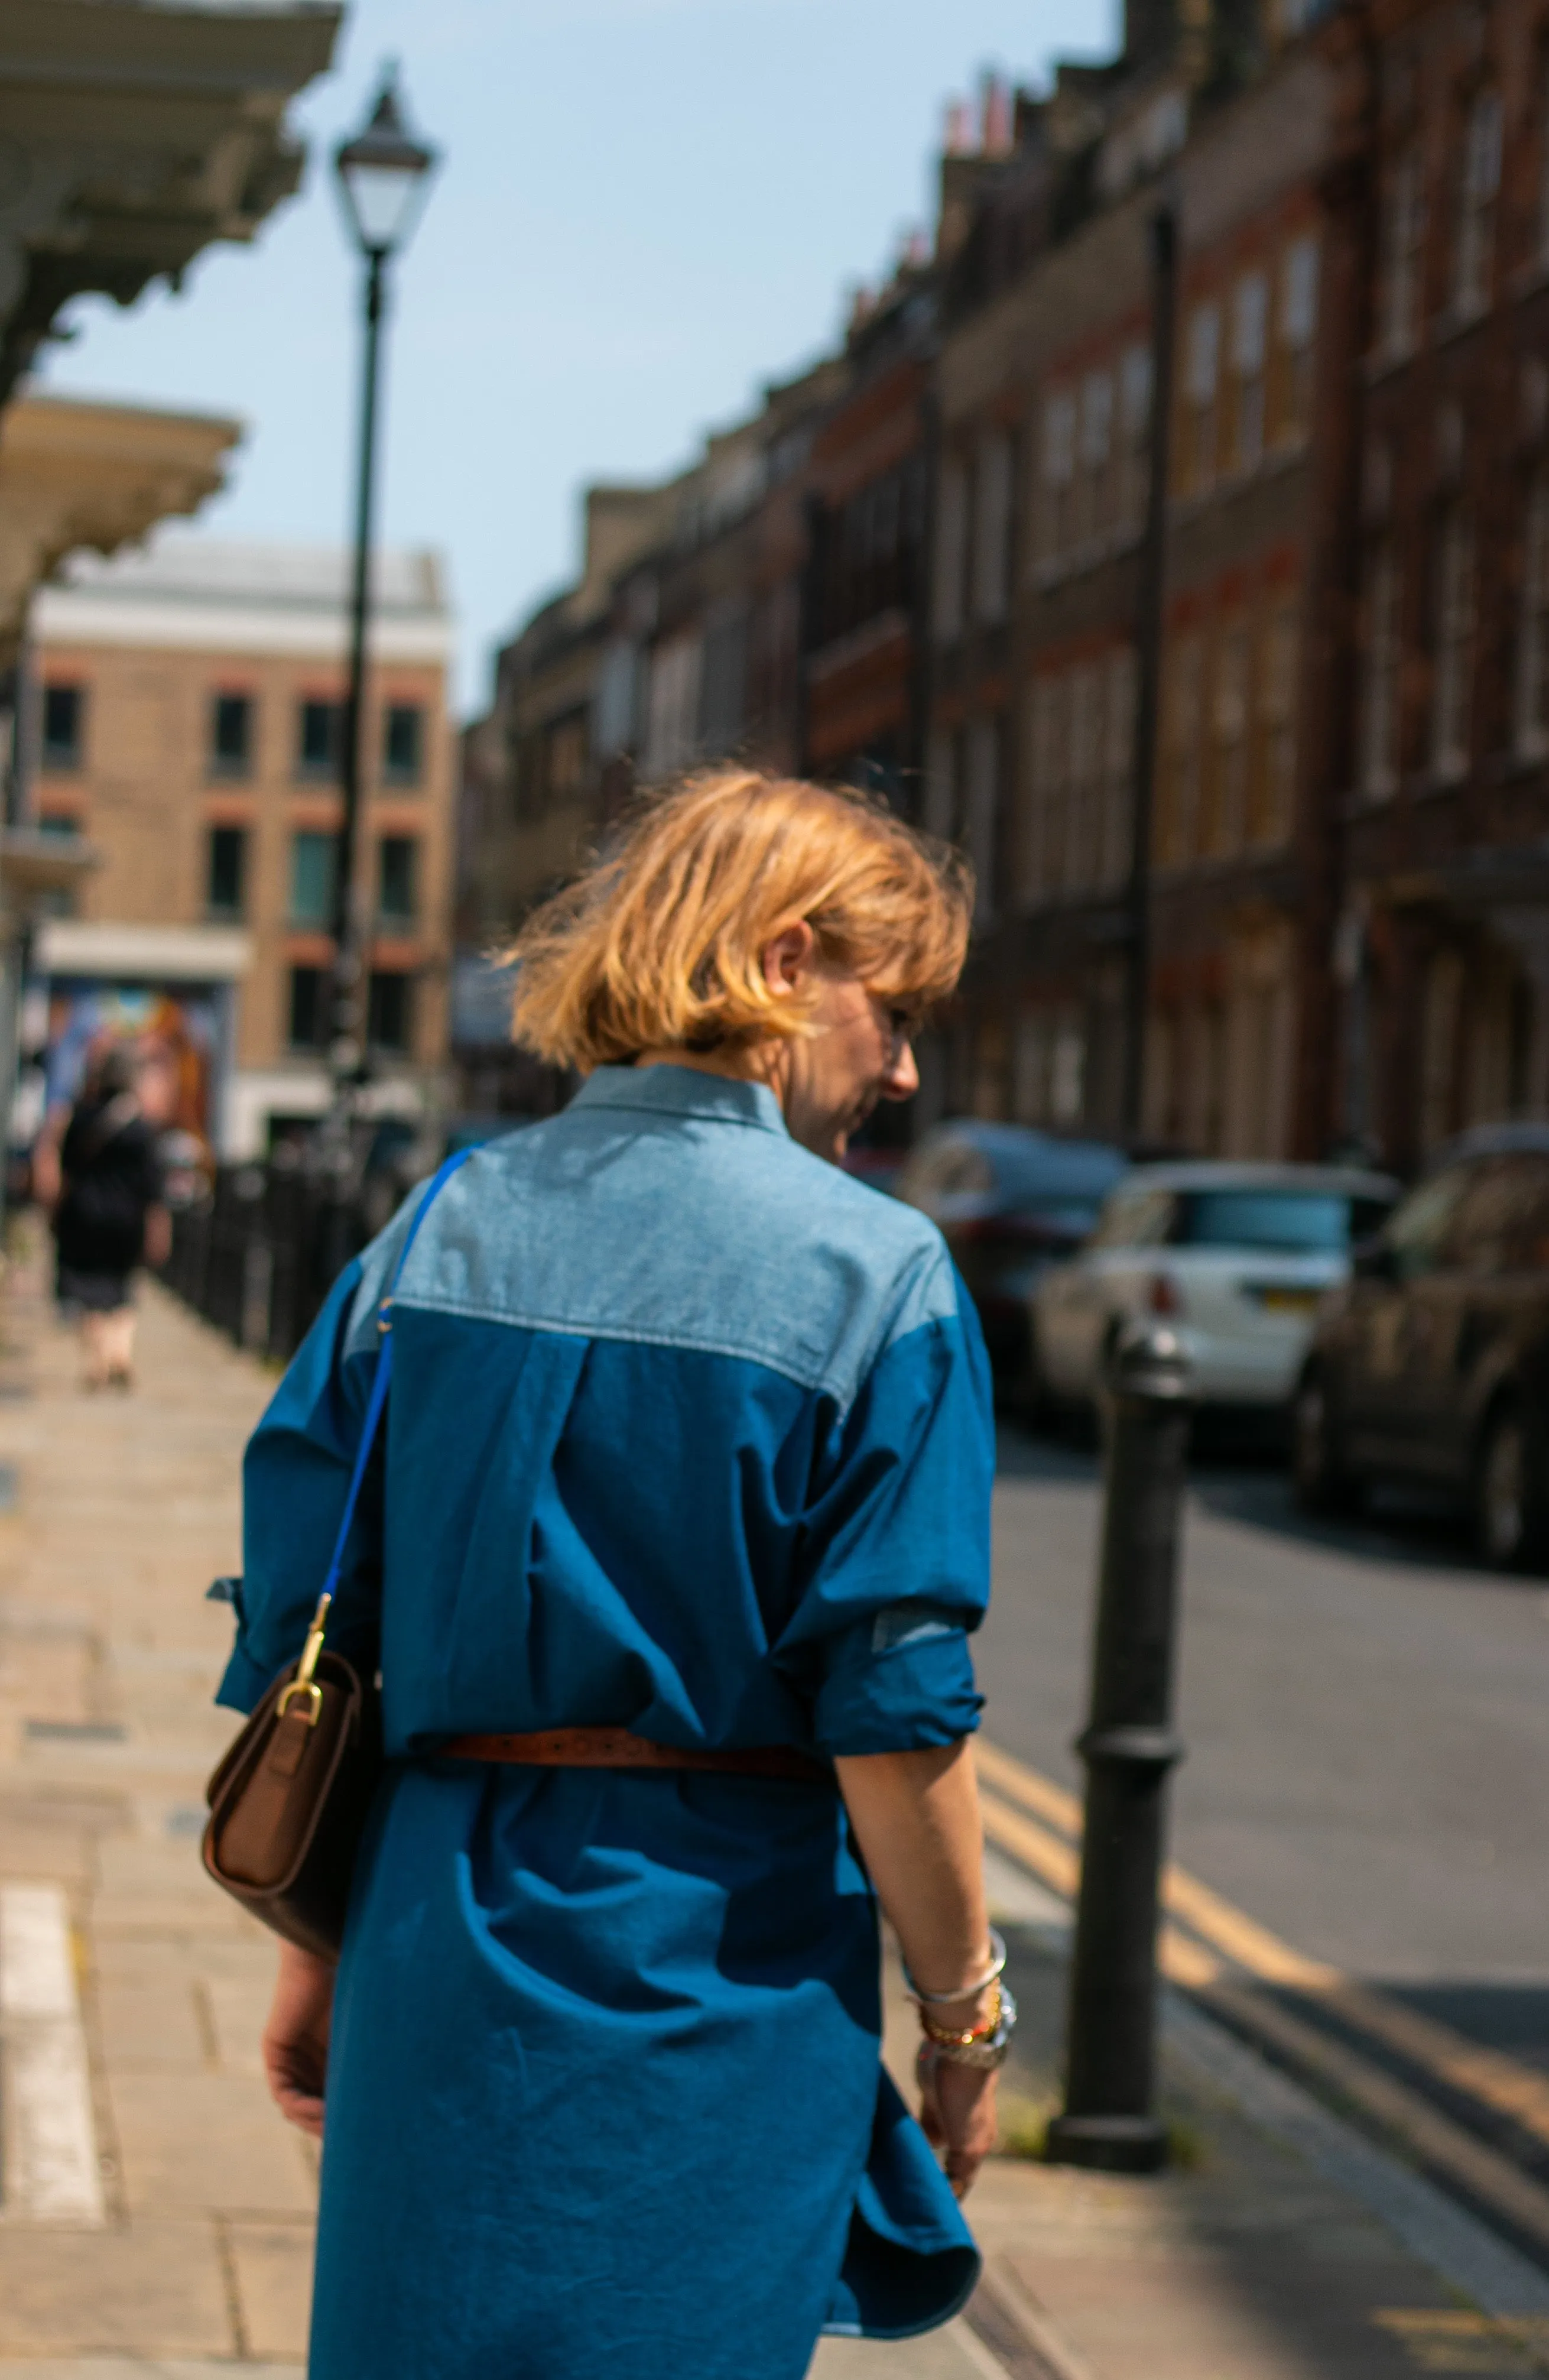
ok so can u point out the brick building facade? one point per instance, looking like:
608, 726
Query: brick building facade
1444, 948
189, 701
1343, 769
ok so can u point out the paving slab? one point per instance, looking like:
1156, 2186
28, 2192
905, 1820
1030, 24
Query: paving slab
152, 2287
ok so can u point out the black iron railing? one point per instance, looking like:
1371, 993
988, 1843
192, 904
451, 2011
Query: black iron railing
258, 1255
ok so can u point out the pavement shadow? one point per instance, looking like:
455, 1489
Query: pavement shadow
1399, 1525
1062, 1463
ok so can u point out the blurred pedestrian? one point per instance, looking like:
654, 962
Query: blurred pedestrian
671, 1567
108, 1218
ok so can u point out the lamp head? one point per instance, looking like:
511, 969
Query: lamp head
384, 174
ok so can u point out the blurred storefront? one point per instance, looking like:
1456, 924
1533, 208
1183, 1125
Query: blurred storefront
191, 702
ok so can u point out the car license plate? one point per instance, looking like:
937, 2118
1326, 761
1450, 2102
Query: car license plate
1289, 1301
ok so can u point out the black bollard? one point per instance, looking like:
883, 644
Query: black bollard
1109, 2121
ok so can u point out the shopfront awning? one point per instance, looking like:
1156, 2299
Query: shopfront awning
82, 950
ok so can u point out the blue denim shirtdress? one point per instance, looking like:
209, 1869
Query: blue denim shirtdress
689, 1433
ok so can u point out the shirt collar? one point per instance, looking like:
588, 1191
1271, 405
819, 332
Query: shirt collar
683, 1091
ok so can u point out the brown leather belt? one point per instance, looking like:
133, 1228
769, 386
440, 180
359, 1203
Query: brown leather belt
615, 1747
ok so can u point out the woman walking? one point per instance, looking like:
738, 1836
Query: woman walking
680, 1531
108, 1218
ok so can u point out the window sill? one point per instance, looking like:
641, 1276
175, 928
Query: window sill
1285, 454
1433, 783
1454, 321
1090, 556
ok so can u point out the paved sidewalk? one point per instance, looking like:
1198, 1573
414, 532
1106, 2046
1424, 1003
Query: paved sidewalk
155, 2215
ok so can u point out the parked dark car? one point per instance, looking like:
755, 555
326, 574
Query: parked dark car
1008, 1201
1432, 1366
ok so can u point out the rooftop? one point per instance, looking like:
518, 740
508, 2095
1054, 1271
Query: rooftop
179, 565
245, 596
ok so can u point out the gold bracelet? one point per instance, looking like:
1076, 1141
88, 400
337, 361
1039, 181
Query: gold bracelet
945, 2039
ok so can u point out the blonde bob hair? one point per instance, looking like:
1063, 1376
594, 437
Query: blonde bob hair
660, 941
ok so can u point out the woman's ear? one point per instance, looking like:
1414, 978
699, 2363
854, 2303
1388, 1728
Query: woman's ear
789, 956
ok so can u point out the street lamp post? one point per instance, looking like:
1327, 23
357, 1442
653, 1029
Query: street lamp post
383, 175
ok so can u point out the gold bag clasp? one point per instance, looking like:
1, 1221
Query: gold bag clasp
304, 1687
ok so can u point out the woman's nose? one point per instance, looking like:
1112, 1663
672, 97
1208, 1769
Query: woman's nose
903, 1077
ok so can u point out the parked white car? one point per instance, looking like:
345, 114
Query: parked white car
1233, 1258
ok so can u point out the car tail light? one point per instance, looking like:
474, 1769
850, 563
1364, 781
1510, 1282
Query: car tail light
1164, 1296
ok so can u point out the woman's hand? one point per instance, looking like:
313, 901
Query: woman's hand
916, 1818
957, 2109
295, 2037
158, 1237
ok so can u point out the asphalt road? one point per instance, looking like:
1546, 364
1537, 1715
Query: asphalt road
1367, 1717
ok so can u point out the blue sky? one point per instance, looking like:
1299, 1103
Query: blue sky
647, 209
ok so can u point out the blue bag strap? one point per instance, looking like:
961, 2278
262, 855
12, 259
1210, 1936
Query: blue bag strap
379, 1384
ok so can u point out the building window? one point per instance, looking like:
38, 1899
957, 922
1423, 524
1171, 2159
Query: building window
672, 705
952, 551
1084, 782
226, 882
1440, 1043
1201, 388
1533, 635
1272, 789
1478, 193
403, 743
721, 694
398, 857
1178, 811
389, 1012
1043, 859
1250, 324
941, 786
992, 528
1403, 258
1057, 476
982, 811
1226, 817
1134, 424
1097, 453
1299, 324
64, 823
1030, 1060
1454, 643
64, 726
1118, 766
1379, 706
320, 739
313, 863
231, 734
308, 1008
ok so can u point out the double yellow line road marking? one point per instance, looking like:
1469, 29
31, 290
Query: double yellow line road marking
1229, 1962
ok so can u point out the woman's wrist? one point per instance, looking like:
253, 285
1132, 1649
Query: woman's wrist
945, 1993
962, 2015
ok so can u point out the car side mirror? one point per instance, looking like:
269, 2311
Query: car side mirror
1373, 1260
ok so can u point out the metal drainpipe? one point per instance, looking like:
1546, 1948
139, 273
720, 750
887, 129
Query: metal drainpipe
1149, 626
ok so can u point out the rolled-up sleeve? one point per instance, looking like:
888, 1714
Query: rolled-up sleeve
896, 1548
